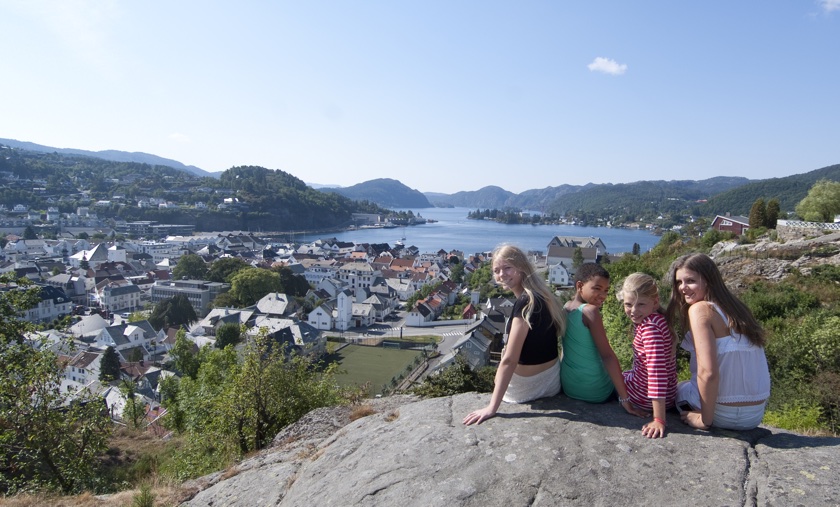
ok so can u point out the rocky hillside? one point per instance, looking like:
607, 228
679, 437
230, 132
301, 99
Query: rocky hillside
774, 260
555, 451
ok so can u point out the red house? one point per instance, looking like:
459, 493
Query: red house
728, 223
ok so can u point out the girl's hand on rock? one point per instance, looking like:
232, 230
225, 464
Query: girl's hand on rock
478, 416
654, 429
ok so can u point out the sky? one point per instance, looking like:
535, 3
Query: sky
443, 95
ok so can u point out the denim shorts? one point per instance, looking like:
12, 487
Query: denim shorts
726, 416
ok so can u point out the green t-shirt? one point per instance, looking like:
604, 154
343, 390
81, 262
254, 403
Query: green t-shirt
582, 373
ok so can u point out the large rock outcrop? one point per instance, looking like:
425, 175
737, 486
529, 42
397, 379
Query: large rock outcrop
554, 451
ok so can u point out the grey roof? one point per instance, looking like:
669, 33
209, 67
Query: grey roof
124, 289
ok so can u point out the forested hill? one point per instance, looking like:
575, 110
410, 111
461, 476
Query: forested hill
496, 197
487, 197
257, 198
110, 155
788, 190
642, 196
385, 192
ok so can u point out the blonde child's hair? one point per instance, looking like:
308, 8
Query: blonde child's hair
639, 285
642, 285
534, 285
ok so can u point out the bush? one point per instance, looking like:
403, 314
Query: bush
713, 236
145, 498
827, 389
799, 417
806, 347
782, 300
457, 378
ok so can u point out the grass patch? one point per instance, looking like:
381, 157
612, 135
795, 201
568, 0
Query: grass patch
804, 419
376, 365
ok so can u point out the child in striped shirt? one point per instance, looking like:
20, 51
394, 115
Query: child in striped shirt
652, 383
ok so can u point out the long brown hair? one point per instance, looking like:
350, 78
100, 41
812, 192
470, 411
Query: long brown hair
534, 286
740, 318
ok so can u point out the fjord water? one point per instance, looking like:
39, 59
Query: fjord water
453, 231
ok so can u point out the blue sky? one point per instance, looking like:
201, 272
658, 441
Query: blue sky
441, 95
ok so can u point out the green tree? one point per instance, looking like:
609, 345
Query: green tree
184, 359
758, 214
238, 403
822, 203
636, 249
173, 312
190, 266
84, 264
134, 412
772, 215
48, 437
577, 258
250, 285
291, 284
137, 316
136, 355
223, 269
456, 272
109, 366
228, 334
29, 233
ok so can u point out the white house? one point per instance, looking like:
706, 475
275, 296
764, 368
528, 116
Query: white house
83, 368
54, 304
559, 275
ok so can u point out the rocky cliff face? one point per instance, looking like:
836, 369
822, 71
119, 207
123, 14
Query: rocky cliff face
774, 260
555, 451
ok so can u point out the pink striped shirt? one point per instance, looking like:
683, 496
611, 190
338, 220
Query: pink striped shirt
654, 373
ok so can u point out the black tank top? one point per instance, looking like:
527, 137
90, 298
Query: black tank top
541, 341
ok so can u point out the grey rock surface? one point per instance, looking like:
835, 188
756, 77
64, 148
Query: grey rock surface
555, 451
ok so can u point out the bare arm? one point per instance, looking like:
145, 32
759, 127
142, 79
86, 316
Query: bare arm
701, 317
658, 350
656, 428
507, 366
592, 320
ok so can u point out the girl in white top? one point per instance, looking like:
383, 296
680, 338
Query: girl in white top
730, 380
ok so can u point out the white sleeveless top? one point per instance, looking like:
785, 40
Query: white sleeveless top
744, 375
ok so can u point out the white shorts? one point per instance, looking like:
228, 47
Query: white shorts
726, 416
542, 385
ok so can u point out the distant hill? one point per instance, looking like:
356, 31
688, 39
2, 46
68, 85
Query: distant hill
541, 199
112, 155
242, 198
619, 198
487, 197
788, 190
642, 196
385, 192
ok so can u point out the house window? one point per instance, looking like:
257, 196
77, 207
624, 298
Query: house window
725, 223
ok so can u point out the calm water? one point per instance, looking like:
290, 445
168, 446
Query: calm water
454, 231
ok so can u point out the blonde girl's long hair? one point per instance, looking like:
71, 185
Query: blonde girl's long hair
534, 286
740, 318
643, 285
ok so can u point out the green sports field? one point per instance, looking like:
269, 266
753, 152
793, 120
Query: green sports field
376, 365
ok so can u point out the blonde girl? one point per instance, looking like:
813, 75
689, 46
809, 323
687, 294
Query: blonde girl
529, 368
652, 382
